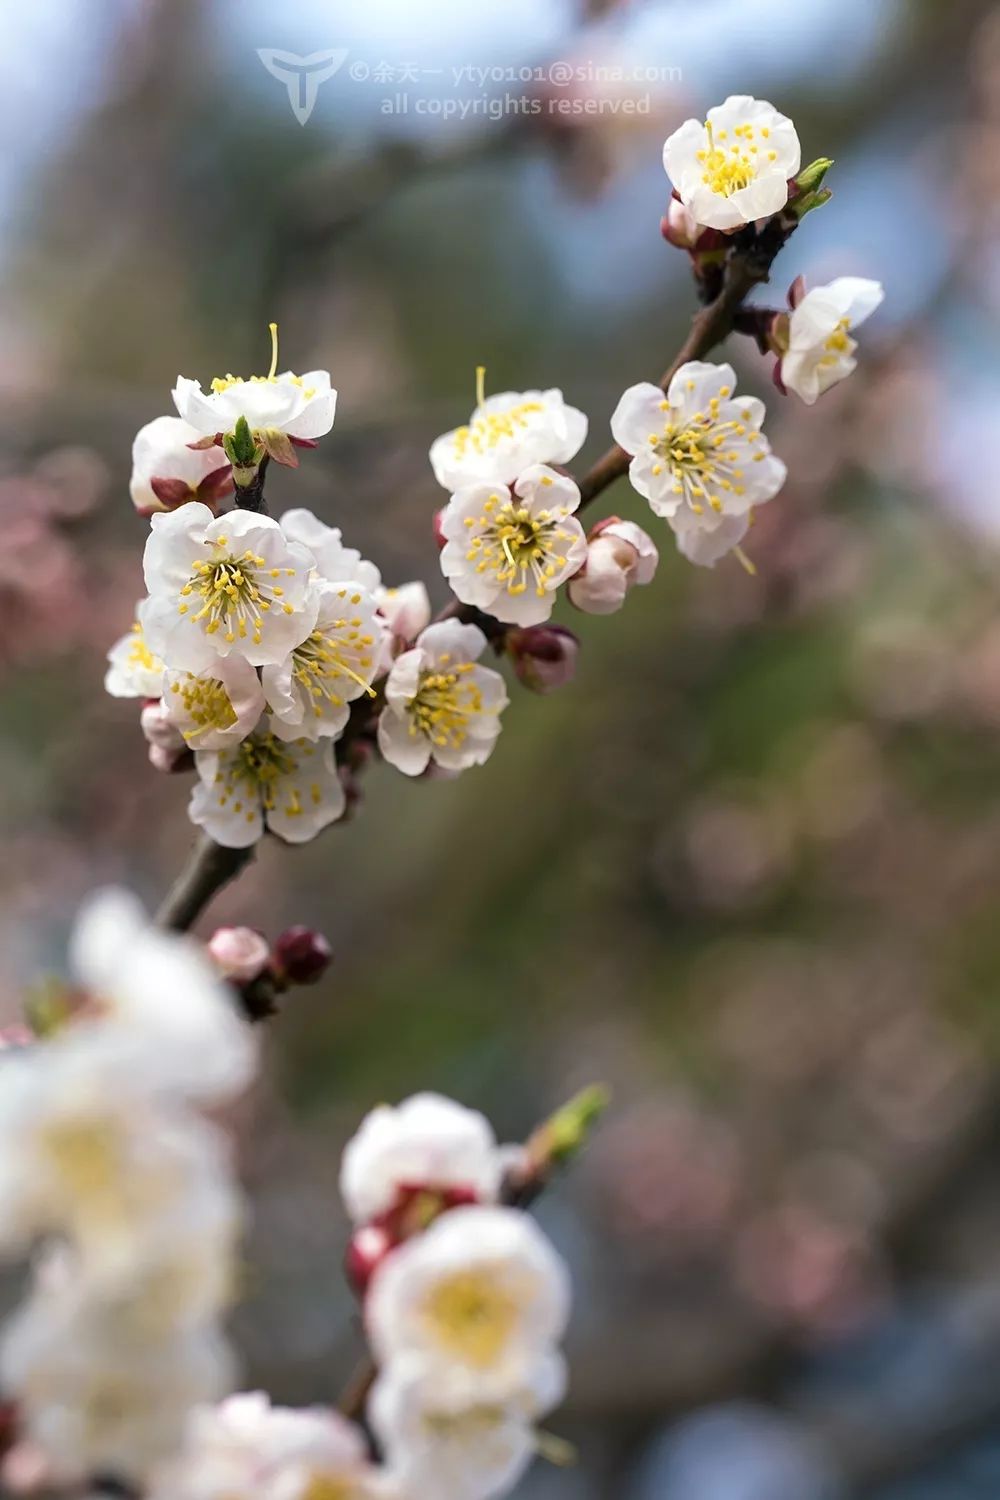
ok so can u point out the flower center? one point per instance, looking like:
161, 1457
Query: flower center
470, 1424
484, 433
516, 546
444, 703
206, 702
139, 653
471, 1316
251, 776
327, 657
235, 593
703, 456
837, 343
727, 166
87, 1157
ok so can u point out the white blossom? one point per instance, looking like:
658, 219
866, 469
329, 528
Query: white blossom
300, 406
162, 453
735, 166
700, 457
440, 704
704, 547
96, 1391
246, 1449
216, 707
131, 1193
428, 1141
93, 1155
310, 692
160, 1001
505, 435
288, 786
406, 610
232, 585
441, 1439
134, 671
507, 553
479, 1297
820, 348
619, 556
333, 561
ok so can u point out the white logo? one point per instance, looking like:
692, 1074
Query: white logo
302, 76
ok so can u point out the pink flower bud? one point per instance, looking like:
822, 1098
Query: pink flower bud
406, 610
171, 761
301, 956
679, 226
619, 556
439, 536
158, 727
544, 656
239, 953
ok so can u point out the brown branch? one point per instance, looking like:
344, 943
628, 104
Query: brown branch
210, 867
709, 327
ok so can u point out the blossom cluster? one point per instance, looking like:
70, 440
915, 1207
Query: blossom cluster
464, 1304
262, 641
465, 1300
111, 1174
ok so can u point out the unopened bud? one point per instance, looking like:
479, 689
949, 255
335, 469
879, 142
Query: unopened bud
406, 610
243, 452
158, 727
810, 179
796, 292
300, 956
619, 555
543, 656
240, 954
679, 226
439, 536
170, 762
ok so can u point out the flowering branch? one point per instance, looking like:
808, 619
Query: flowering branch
748, 264
553, 1145
744, 270
270, 659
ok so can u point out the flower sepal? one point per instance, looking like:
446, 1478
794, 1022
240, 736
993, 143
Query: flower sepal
244, 452
279, 446
415, 1209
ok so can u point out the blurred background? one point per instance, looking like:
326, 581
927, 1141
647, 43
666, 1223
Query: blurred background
746, 869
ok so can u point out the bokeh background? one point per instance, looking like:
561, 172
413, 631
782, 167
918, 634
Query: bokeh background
747, 868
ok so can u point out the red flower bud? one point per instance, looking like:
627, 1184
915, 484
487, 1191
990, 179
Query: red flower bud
300, 956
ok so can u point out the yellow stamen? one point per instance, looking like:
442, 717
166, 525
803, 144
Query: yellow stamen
274, 351
480, 384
